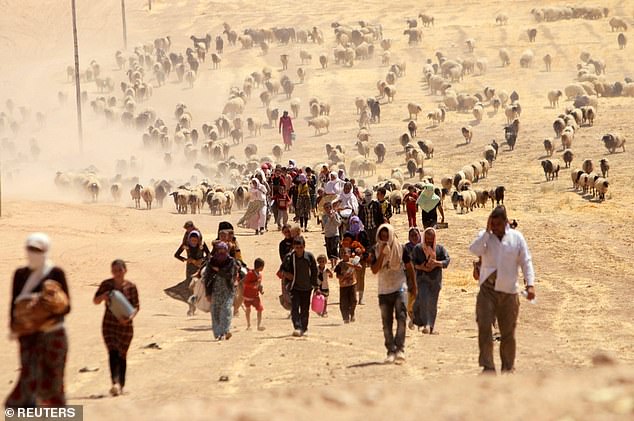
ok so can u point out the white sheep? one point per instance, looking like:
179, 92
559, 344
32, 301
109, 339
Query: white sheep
305, 56
482, 64
414, 110
468, 172
195, 200
390, 92
467, 200
437, 116
250, 151
478, 111
254, 126
320, 123
234, 106
526, 59
553, 97
484, 164
295, 105
566, 139
573, 90
505, 57
601, 186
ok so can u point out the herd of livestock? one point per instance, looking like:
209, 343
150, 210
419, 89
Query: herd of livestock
208, 145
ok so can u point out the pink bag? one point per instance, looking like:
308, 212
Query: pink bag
318, 303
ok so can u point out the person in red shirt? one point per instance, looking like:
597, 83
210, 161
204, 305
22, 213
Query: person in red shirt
410, 205
252, 290
282, 201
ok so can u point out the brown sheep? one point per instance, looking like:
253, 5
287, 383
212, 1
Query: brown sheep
467, 133
284, 59
549, 147
605, 167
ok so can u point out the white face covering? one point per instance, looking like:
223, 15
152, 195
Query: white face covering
35, 260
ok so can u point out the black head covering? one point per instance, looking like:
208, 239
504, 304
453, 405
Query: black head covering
224, 226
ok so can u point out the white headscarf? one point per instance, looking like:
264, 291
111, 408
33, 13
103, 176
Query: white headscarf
334, 186
349, 200
393, 248
259, 188
38, 262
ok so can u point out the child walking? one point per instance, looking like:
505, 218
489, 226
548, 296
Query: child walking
410, 205
323, 277
252, 290
346, 275
282, 201
332, 222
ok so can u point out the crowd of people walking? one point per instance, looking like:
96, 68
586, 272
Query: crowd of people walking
357, 235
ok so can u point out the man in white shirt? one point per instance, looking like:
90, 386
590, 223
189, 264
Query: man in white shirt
502, 250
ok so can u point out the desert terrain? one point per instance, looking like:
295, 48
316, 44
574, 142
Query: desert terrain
581, 247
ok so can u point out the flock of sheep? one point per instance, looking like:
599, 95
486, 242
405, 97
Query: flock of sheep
15, 120
584, 92
208, 144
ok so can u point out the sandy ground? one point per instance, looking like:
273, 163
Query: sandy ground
581, 249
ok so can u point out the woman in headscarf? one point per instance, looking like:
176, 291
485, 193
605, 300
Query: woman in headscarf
429, 260
356, 232
356, 239
302, 209
286, 129
255, 215
332, 189
226, 235
324, 176
117, 333
346, 205
334, 185
219, 277
429, 204
389, 260
39, 302
347, 200
284, 248
414, 239
312, 189
196, 251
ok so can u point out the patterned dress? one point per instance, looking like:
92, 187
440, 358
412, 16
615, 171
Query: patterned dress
42, 354
220, 285
117, 335
303, 202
